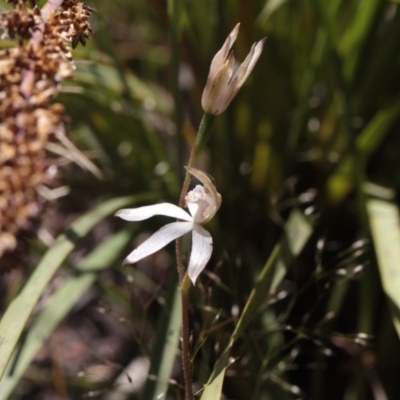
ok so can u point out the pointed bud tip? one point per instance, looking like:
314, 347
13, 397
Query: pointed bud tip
262, 41
222, 86
232, 36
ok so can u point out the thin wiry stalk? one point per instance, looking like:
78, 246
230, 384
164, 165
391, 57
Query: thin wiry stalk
203, 135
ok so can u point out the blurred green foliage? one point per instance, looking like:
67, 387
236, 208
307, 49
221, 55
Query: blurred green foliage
314, 130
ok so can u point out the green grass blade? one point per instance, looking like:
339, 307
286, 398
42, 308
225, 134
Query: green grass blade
270, 7
165, 347
59, 306
341, 182
358, 30
385, 228
297, 232
19, 311
358, 36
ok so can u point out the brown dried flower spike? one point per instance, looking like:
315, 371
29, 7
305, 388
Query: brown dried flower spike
30, 74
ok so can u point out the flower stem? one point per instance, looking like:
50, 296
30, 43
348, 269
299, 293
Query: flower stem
203, 134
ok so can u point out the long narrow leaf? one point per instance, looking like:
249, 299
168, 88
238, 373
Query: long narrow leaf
59, 306
17, 314
385, 228
165, 346
340, 183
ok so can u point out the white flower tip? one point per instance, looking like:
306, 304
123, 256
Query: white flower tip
126, 262
131, 259
194, 274
229, 42
260, 46
235, 31
123, 214
251, 60
193, 279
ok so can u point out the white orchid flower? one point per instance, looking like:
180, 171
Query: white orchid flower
203, 202
221, 87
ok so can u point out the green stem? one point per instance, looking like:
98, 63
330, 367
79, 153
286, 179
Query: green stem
205, 130
203, 135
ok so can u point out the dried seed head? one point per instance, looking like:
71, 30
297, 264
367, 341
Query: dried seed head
29, 80
20, 22
16, 2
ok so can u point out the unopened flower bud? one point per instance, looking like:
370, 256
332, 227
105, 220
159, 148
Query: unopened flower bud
221, 86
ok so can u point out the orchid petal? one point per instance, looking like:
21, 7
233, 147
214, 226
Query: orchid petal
245, 69
221, 56
201, 251
158, 240
212, 100
142, 213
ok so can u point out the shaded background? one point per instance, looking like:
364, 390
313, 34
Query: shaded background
314, 128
